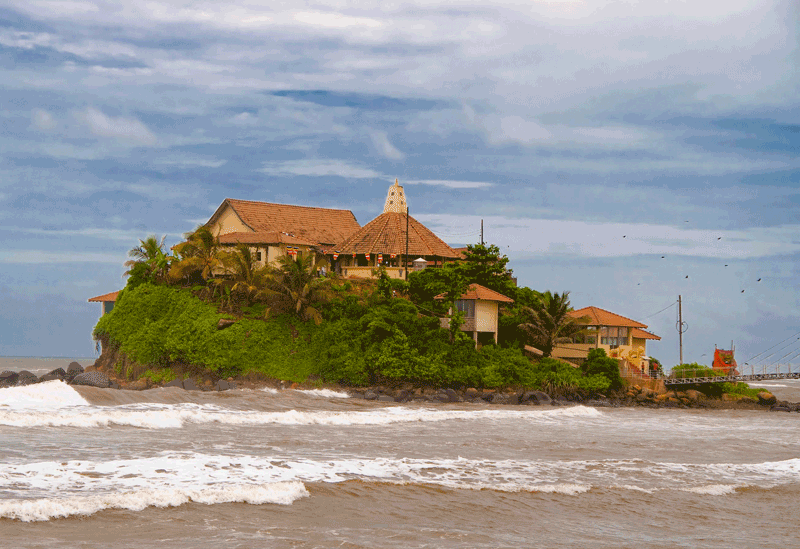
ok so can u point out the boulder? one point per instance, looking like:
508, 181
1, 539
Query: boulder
500, 398
114, 385
766, 398
371, 395
26, 378
692, 394
599, 403
441, 397
453, 396
385, 398
58, 373
73, 370
8, 378
222, 385
225, 323
92, 379
175, 383
540, 397
513, 398
471, 393
781, 409
190, 385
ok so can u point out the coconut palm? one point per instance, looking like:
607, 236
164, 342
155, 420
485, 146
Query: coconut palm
248, 278
546, 322
200, 253
148, 259
294, 286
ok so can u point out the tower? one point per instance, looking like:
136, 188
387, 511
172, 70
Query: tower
395, 199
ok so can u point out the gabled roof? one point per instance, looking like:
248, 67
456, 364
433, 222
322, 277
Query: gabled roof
386, 234
476, 291
105, 297
643, 334
263, 238
317, 225
601, 317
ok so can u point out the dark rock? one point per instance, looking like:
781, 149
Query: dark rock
781, 409
499, 398
58, 373
26, 378
471, 393
175, 383
371, 395
223, 385
766, 399
601, 403
441, 397
225, 323
540, 397
513, 398
356, 394
453, 396
73, 370
114, 385
92, 379
385, 398
403, 396
190, 385
8, 378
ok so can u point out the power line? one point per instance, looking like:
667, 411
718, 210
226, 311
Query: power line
662, 310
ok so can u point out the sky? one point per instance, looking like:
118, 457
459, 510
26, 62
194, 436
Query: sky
625, 151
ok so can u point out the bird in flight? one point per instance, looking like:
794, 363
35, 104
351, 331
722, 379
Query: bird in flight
759, 280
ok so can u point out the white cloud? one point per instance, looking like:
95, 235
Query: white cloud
51, 257
120, 235
43, 120
384, 147
319, 168
335, 20
449, 183
129, 130
537, 237
190, 161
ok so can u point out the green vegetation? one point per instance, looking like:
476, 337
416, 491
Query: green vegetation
546, 322
291, 324
713, 389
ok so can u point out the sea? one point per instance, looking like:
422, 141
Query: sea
86, 467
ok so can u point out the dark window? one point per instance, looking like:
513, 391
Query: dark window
466, 306
258, 256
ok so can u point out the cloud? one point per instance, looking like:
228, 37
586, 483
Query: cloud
190, 161
598, 240
51, 257
449, 183
43, 120
128, 130
384, 147
319, 168
91, 232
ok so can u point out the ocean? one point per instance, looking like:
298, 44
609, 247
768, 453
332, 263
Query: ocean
86, 467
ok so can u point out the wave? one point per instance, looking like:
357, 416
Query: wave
283, 493
173, 416
174, 478
49, 395
321, 393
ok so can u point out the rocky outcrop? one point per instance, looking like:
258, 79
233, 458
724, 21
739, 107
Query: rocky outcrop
766, 398
73, 370
8, 379
26, 378
92, 379
57, 374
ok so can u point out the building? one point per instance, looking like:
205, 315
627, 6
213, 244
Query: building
106, 301
391, 240
621, 338
275, 230
480, 306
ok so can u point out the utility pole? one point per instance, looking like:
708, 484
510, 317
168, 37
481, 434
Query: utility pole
406, 265
681, 327
481, 232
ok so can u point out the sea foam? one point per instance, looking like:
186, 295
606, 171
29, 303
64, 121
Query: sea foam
47, 395
165, 416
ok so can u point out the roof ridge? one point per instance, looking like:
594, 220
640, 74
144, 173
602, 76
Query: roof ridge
614, 314
289, 205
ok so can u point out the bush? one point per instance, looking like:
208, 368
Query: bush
694, 370
597, 363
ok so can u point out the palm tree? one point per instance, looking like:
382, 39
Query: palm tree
248, 277
547, 322
148, 259
199, 253
294, 286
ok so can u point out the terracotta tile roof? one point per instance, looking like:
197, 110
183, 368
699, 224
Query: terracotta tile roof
386, 234
643, 334
263, 238
476, 291
601, 317
105, 297
317, 225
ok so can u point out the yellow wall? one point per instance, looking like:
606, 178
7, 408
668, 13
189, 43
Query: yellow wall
229, 222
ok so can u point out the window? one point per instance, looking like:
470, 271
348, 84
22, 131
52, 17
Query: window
614, 335
258, 256
466, 306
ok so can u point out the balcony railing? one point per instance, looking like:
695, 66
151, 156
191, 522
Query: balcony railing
366, 272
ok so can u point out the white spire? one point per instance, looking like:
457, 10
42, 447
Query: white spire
395, 199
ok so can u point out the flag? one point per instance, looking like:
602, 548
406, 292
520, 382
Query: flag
367, 256
392, 255
380, 258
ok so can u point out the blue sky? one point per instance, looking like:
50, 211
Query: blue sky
592, 137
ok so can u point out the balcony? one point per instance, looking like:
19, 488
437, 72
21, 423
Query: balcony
366, 272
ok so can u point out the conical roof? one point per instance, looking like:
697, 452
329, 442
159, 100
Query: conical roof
386, 234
